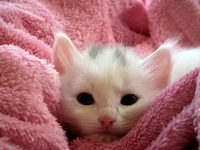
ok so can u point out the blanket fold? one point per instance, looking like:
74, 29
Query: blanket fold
30, 113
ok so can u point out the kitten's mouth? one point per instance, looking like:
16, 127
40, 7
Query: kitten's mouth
105, 136
106, 133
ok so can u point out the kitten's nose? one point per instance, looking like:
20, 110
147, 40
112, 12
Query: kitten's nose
107, 121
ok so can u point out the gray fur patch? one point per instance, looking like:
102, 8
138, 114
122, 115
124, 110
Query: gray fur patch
120, 55
95, 50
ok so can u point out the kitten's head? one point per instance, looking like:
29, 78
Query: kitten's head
106, 89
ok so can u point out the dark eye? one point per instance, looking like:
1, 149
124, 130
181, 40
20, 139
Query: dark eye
85, 99
129, 99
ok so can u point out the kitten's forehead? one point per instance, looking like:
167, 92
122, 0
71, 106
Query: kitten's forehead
106, 70
117, 53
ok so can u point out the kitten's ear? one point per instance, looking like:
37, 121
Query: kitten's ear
158, 67
64, 53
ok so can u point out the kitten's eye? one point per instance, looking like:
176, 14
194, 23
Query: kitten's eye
129, 99
85, 99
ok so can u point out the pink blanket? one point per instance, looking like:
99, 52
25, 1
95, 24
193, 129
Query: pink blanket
29, 86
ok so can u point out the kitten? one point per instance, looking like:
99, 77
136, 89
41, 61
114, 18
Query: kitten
106, 89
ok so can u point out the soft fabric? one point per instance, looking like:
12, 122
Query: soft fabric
30, 114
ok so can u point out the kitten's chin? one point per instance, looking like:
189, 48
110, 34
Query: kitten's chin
105, 137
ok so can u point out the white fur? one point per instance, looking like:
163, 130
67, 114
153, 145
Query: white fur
108, 82
185, 61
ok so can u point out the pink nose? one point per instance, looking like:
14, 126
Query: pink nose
107, 121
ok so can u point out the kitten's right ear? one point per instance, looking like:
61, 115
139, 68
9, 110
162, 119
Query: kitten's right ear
64, 53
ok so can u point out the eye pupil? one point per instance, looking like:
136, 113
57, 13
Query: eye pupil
129, 99
85, 99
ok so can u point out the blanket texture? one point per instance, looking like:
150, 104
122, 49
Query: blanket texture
30, 114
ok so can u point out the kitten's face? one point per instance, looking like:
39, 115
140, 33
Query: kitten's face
105, 90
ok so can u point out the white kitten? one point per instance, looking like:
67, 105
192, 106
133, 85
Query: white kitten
106, 89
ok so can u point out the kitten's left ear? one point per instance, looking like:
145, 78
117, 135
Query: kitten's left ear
158, 66
64, 53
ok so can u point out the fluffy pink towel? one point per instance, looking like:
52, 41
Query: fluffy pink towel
29, 86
